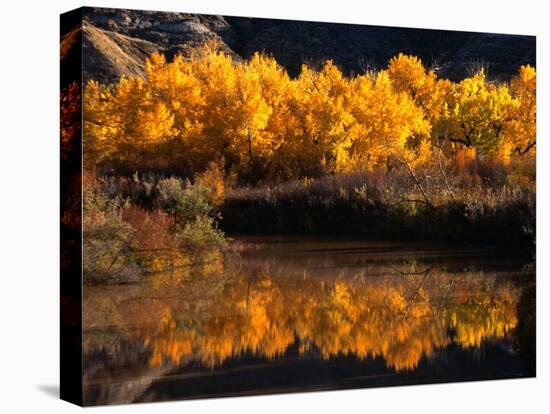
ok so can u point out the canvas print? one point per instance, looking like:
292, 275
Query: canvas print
254, 206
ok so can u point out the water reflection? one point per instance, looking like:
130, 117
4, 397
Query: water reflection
368, 303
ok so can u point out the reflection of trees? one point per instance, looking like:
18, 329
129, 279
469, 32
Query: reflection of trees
482, 316
400, 316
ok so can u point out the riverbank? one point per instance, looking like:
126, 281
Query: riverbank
354, 206
150, 224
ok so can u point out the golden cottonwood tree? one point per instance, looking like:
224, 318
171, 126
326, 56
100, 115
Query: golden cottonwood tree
321, 105
388, 124
477, 114
249, 141
125, 122
520, 130
409, 75
189, 112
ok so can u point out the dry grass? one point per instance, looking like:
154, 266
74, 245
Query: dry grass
482, 202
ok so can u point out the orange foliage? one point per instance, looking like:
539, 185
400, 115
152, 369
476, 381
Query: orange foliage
401, 320
265, 124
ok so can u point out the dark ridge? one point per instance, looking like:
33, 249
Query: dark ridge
353, 47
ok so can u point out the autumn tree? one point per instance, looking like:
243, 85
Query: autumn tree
389, 127
477, 114
409, 75
187, 113
322, 120
520, 129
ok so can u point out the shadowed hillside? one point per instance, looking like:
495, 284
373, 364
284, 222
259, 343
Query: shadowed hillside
116, 41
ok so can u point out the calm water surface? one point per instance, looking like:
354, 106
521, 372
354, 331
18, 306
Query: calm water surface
294, 314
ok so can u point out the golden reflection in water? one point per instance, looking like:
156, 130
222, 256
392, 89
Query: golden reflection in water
399, 316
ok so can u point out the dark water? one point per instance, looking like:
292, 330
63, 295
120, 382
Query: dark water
288, 315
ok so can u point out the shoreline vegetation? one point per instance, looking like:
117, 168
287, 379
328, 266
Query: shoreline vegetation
205, 145
371, 207
134, 228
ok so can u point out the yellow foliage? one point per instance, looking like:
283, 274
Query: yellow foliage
409, 75
389, 124
396, 320
477, 115
213, 181
190, 112
521, 129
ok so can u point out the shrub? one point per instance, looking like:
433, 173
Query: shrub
106, 239
213, 181
141, 225
186, 205
203, 232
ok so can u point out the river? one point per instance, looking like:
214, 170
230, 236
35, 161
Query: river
304, 314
